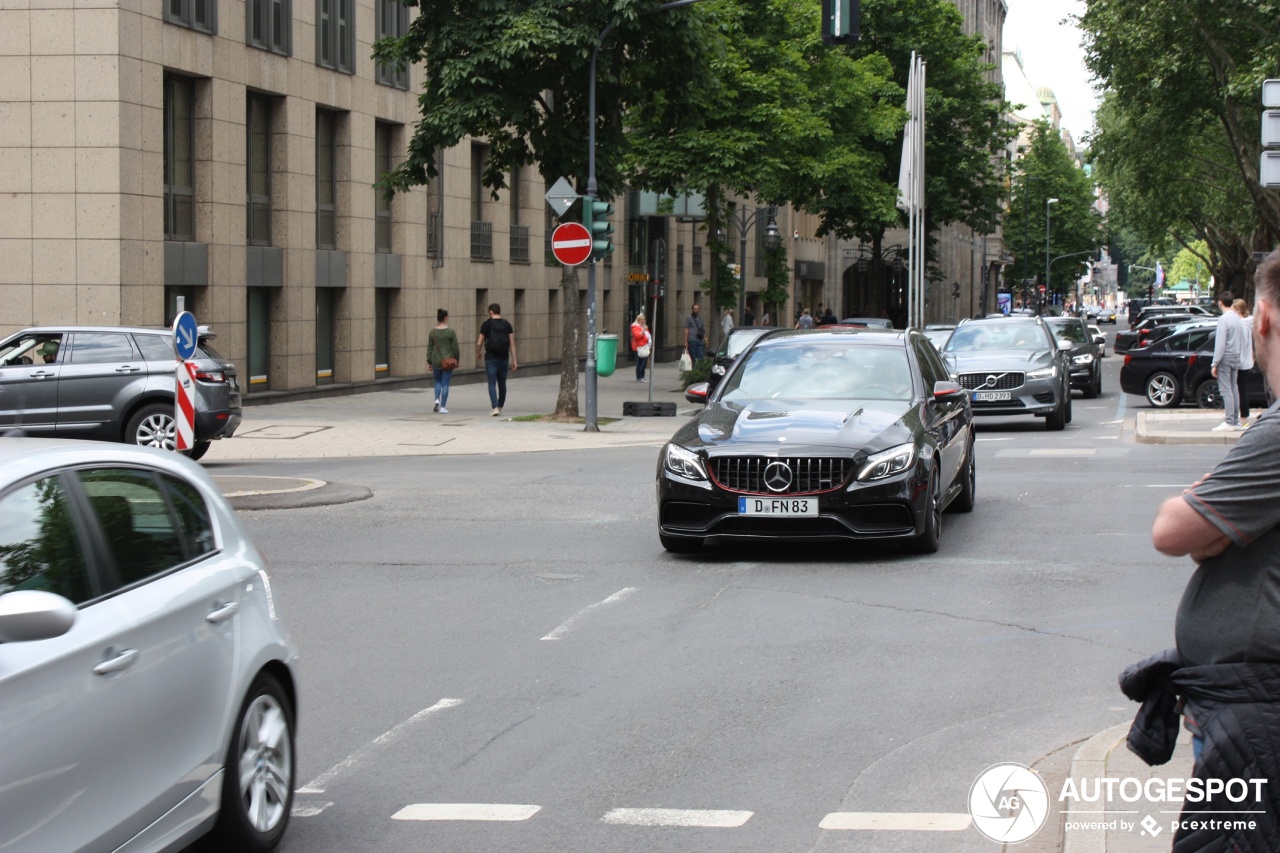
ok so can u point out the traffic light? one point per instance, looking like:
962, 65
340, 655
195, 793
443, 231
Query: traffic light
595, 217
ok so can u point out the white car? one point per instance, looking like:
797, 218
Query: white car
147, 693
1099, 341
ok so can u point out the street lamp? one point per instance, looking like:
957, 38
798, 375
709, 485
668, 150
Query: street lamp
1048, 293
772, 240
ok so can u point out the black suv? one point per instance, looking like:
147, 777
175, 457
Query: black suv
1086, 367
1013, 366
112, 383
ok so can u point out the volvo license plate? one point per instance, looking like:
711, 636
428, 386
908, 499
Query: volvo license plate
991, 396
778, 506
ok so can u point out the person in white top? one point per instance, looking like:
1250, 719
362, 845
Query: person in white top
1246, 360
1228, 350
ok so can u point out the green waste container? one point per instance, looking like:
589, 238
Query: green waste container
606, 354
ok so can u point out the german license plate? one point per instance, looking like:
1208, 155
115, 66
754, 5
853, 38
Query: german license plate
991, 396
778, 506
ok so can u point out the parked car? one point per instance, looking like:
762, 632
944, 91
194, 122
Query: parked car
1013, 366
1134, 307
1156, 371
822, 436
1201, 387
1161, 310
112, 383
1086, 365
731, 346
1099, 342
146, 681
1131, 338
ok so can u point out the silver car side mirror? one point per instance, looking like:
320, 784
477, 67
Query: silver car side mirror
29, 614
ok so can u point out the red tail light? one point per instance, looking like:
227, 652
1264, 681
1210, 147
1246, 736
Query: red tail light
1192, 359
211, 376
1127, 358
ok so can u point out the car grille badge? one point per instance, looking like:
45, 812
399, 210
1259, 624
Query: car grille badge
777, 477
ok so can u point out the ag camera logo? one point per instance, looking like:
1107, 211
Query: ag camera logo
1009, 803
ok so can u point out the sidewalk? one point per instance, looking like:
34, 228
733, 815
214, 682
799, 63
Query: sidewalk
1183, 426
401, 422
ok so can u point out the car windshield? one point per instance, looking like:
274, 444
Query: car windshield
737, 342
1017, 335
1068, 332
802, 369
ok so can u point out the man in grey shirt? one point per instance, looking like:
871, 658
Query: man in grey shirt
1228, 355
1229, 524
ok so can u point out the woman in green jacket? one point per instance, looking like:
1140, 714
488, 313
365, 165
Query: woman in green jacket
442, 354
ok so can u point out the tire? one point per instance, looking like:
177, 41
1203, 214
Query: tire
964, 502
930, 538
1068, 417
1056, 421
1208, 395
200, 449
1095, 387
680, 544
1163, 390
152, 426
253, 816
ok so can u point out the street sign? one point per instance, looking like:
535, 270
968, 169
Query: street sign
571, 244
561, 196
1270, 128
1271, 93
1042, 288
1269, 169
185, 335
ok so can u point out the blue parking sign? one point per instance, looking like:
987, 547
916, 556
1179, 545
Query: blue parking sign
185, 335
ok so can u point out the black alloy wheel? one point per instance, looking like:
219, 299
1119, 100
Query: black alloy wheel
930, 538
968, 496
1209, 395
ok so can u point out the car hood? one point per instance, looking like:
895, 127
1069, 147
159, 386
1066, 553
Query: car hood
801, 426
988, 360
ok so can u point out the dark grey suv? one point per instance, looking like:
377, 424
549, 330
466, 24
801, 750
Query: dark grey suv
1086, 367
112, 383
1012, 366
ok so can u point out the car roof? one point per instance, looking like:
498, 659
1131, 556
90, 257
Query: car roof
22, 456
877, 337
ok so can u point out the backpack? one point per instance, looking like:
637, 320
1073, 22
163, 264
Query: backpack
498, 342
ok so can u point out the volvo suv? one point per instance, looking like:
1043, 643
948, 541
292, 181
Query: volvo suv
1013, 366
112, 383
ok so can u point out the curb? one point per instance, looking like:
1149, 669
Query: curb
1157, 433
1090, 761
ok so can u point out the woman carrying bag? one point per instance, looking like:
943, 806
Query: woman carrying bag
443, 353
642, 343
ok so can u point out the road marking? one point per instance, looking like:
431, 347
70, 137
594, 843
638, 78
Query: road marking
568, 625
919, 822
1110, 423
466, 811
308, 811
706, 818
993, 439
1064, 451
316, 785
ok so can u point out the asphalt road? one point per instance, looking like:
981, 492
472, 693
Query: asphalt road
506, 631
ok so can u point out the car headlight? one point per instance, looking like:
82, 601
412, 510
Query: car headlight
718, 369
683, 463
886, 463
1082, 359
1046, 373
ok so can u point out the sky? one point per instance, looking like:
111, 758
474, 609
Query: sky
1052, 56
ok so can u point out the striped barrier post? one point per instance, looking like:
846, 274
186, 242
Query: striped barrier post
184, 416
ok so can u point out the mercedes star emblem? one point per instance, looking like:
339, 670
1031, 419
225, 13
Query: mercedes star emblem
777, 477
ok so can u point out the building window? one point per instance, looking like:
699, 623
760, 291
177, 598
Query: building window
481, 230
383, 136
393, 22
269, 25
199, 15
179, 158
336, 35
326, 180
258, 160
326, 299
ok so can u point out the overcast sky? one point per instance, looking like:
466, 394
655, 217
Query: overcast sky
1052, 56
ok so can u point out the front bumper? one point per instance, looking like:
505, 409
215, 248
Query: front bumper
889, 509
1033, 397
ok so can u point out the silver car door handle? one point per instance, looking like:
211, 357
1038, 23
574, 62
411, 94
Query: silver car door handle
121, 661
223, 613
42, 374
128, 369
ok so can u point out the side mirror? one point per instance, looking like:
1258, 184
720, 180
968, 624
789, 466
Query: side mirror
948, 391
29, 614
697, 392
1065, 346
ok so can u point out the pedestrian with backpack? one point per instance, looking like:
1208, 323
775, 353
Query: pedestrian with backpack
497, 344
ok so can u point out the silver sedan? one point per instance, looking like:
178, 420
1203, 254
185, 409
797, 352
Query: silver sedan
147, 692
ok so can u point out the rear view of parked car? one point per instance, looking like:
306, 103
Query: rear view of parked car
147, 693
112, 383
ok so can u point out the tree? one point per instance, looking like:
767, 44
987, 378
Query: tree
1191, 264
1046, 171
515, 72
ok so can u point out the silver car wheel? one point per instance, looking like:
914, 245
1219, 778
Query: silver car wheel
157, 430
266, 763
1162, 390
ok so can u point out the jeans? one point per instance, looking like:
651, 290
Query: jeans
496, 370
697, 349
442, 386
1227, 387
640, 364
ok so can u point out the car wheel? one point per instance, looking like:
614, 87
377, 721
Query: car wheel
1163, 391
1208, 395
680, 544
1068, 417
930, 537
200, 449
968, 496
1057, 419
257, 783
1094, 388
153, 426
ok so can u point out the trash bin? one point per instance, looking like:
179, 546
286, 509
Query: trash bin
606, 354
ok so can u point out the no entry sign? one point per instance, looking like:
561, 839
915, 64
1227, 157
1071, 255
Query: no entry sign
571, 244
